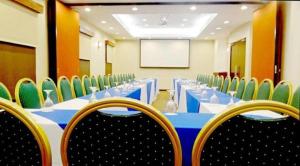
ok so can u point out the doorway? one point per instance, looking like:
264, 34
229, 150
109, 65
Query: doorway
237, 58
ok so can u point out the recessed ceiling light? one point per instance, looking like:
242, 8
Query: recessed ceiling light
144, 20
226, 22
244, 7
182, 25
87, 9
212, 33
134, 9
185, 19
193, 8
103, 22
218, 28
111, 28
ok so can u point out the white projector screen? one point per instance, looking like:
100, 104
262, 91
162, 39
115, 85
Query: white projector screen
165, 53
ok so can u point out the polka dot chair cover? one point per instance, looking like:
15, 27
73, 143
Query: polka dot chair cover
21, 141
232, 139
98, 138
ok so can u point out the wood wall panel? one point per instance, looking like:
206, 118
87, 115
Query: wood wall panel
264, 42
67, 41
16, 62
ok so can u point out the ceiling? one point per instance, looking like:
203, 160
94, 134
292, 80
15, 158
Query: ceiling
178, 16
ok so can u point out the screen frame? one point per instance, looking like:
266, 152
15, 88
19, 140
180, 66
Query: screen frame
162, 66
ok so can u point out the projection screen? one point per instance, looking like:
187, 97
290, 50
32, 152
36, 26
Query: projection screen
165, 53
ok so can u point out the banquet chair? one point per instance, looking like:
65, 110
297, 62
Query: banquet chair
77, 86
226, 84
265, 90
23, 142
86, 84
234, 139
133, 76
215, 82
48, 84
283, 92
250, 90
115, 80
197, 78
65, 91
101, 82
4, 92
234, 84
241, 88
296, 99
220, 83
111, 81
94, 82
210, 80
106, 81
97, 137
27, 95
120, 79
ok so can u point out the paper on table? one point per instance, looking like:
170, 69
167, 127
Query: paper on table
218, 108
74, 104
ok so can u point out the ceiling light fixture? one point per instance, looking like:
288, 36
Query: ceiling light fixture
134, 9
226, 22
103, 22
87, 9
192, 8
244, 7
218, 28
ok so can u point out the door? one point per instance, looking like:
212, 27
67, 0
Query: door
237, 58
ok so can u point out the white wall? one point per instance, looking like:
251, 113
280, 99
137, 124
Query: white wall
222, 48
291, 50
96, 55
22, 26
127, 60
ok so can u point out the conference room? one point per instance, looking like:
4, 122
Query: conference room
158, 83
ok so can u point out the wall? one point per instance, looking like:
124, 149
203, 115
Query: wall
22, 26
127, 60
291, 51
97, 51
221, 55
67, 41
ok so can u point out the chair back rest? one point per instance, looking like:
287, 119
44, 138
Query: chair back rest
64, 89
226, 84
111, 81
220, 83
27, 94
106, 81
210, 80
86, 83
296, 99
241, 88
216, 80
94, 82
97, 137
101, 82
283, 92
231, 138
48, 84
77, 86
251, 90
23, 142
265, 90
4, 93
234, 84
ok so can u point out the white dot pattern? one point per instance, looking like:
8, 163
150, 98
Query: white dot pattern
17, 144
104, 139
244, 141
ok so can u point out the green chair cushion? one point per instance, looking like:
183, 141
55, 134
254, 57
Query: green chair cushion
94, 82
249, 91
4, 93
281, 93
111, 81
263, 91
225, 86
106, 81
66, 90
101, 83
87, 85
49, 85
29, 96
240, 90
220, 80
296, 99
233, 85
77, 87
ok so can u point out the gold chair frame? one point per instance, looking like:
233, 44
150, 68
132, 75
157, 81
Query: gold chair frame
7, 91
72, 85
289, 84
59, 87
255, 88
17, 90
40, 89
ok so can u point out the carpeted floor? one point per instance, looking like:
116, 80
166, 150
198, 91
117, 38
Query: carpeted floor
161, 100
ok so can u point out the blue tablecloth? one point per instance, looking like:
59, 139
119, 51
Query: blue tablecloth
194, 99
187, 126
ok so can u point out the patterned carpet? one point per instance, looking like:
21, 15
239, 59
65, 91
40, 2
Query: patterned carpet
161, 100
